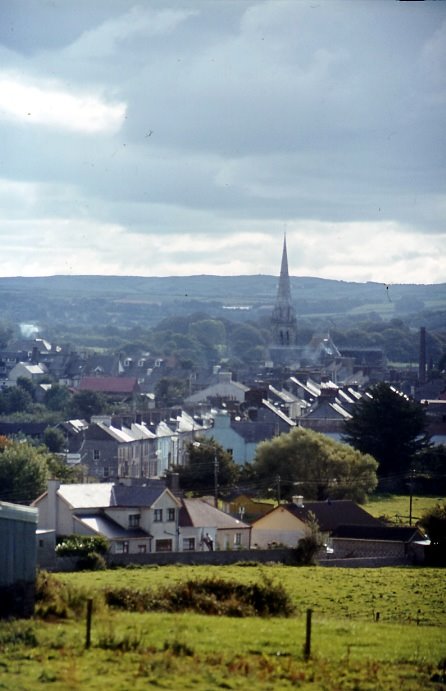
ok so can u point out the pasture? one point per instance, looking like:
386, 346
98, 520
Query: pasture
405, 648
395, 508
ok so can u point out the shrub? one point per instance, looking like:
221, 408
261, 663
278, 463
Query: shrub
17, 632
308, 547
213, 596
93, 561
55, 599
81, 545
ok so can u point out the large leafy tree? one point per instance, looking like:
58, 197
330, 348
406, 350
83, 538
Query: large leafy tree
23, 471
309, 463
390, 427
84, 404
208, 464
170, 391
15, 399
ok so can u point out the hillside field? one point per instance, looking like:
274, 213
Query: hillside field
404, 648
395, 508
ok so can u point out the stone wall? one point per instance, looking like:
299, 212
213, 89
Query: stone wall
347, 548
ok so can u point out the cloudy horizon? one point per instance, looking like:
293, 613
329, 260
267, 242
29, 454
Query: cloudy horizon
186, 137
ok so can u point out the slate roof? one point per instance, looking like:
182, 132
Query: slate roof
118, 385
137, 495
333, 513
110, 529
199, 514
99, 495
270, 406
95, 495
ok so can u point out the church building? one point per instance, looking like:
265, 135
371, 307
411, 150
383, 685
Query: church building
283, 349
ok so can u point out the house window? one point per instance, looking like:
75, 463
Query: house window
96, 454
237, 539
105, 471
188, 544
163, 545
158, 515
134, 520
170, 514
142, 549
230, 452
122, 547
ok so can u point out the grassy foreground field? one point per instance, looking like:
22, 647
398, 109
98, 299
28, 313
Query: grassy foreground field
405, 649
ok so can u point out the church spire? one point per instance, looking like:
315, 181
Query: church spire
284, 291
283, 320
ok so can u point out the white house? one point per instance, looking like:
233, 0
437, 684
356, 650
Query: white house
135, 519
27, 371
204, 527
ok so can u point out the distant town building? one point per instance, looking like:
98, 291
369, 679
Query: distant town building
283, 348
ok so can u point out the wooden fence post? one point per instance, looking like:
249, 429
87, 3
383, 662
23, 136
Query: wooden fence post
307, 648
88, 631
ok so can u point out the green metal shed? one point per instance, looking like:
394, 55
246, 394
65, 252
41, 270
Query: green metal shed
18, 552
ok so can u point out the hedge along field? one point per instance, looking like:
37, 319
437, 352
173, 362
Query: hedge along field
403, 594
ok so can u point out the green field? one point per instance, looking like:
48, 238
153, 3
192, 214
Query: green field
395, 508
404, 648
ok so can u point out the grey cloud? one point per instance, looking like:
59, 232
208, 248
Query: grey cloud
238, 112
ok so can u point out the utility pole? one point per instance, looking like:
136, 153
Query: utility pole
216, 481
278, 489
411, 488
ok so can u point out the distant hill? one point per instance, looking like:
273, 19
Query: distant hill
132, 300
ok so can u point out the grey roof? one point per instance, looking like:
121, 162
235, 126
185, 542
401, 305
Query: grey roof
332, 513
103, 525
200, 514
99, 495
139, 495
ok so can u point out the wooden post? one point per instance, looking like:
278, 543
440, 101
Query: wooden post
88, 631
307, 648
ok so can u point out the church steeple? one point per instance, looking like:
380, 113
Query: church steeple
283, 319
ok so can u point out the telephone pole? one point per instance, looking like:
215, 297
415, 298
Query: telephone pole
216, 481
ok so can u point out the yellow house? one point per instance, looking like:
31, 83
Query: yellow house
287, 523
278, 527
246, 508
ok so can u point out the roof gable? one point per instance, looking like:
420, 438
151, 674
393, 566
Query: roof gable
199, 514
332, 513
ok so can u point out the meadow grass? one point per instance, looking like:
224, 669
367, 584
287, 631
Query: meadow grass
399, 594
405, 649
395, 508
181, 651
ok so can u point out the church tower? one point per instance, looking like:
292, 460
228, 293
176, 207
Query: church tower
283, 319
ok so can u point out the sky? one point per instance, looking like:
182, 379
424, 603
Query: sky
181, 137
